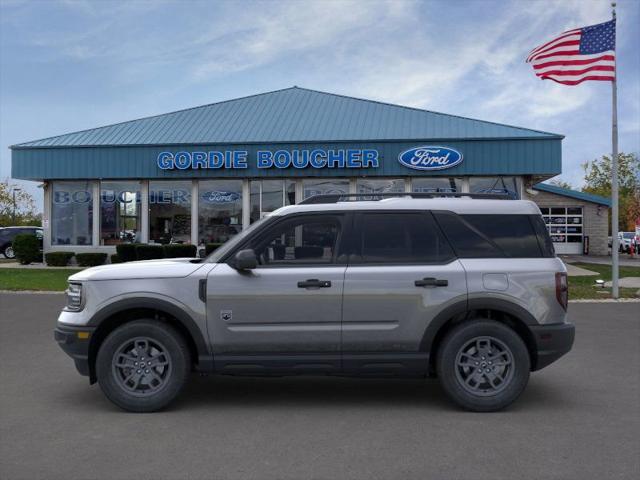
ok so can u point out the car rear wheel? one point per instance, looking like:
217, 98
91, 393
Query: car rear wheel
483, 365
8, 252
143, 365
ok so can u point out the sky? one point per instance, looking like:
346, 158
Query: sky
72, 65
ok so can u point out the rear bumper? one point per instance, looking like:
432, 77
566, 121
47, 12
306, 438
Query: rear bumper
552, 342
75, 343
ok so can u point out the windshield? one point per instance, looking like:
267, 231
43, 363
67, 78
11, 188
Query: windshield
221, 251
628, 234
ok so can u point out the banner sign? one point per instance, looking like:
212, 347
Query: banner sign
266, 159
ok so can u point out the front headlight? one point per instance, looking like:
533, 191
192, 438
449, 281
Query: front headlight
74, 297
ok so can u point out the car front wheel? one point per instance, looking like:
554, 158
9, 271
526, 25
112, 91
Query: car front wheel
143, 365
483, 365
8, 252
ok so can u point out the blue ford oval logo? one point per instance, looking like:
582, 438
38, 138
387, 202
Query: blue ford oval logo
430, 158
220, 197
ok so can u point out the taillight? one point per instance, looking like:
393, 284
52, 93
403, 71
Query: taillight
562, 289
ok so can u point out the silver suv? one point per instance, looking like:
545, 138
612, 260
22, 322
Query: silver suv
465, 289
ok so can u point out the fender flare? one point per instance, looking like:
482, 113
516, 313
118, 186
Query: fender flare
205, 359
465, 306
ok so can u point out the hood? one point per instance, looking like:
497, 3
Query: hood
165, 268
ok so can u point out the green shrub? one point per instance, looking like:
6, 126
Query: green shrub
90, 259
149, 252
211, 247
58, 259
27, 248
115, 258
178, 250
127, 252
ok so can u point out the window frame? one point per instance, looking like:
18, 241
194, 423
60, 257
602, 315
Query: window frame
355, 255
339, 257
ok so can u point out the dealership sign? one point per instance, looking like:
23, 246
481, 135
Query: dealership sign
430, 158
220, 197
266, 159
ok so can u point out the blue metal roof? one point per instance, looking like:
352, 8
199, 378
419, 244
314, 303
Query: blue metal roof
565, 192
289, 116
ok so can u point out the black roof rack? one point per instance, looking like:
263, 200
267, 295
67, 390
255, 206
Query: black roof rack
360, 197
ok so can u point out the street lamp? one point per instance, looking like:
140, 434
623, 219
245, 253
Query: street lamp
14, 203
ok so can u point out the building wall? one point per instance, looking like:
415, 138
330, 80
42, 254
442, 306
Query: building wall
595, 219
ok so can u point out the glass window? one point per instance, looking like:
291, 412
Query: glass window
402, 238
269, 195
499, 185
219, 210
436, 184
324, 186
301, 240
379, 185
170, 211
119, 212
72, 213
467, 242
513, 234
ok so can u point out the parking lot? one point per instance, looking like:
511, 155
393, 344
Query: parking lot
579, 418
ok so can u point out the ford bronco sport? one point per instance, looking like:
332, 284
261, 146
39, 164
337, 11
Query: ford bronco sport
465, 289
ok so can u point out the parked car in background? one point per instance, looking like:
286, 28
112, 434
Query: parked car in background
625, 241
7, 234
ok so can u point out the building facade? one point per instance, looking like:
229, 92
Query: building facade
203, 174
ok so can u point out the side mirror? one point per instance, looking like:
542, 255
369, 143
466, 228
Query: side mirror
245, 260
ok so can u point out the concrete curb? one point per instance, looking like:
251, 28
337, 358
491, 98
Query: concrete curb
605, 300
31, 292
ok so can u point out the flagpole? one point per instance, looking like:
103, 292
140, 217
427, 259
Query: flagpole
614, 177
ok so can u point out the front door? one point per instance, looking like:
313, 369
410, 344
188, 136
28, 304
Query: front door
285, 314
401, 276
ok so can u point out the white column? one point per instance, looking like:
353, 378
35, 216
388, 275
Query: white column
408, 185
95, 240
246, 204
465, 185
194, 212
352, 185
144, 211
46, 216
299, 190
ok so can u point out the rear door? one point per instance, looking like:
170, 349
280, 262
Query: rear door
286, 314
402, 273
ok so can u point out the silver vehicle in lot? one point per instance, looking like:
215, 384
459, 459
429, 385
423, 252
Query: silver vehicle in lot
465, 289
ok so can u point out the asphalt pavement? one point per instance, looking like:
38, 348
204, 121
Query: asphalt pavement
578, 419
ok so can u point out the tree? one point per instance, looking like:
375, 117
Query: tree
597, 180
558, 182
25, 207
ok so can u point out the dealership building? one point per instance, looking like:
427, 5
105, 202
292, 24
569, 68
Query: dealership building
203, 174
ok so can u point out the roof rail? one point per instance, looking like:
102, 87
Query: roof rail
361, 197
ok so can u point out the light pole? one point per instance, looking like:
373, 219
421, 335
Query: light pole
14, 203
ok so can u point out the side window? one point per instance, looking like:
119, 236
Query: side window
491, 236
304, 240
513, 234
398, 237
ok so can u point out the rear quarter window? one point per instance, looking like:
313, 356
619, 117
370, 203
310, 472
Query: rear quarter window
491, 236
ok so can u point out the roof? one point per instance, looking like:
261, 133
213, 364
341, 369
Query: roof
289, 116
565, 192
458, 205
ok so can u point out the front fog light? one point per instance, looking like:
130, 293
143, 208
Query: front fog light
74, 296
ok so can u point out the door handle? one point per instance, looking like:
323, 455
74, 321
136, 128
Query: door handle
314, 283
431, 282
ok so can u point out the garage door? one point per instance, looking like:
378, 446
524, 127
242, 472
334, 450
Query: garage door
565, 228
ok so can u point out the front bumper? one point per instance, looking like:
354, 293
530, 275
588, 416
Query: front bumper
75, 343
552, 342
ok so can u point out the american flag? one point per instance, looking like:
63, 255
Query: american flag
587, 53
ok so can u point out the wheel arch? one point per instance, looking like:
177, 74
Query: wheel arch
127, 310
509, 313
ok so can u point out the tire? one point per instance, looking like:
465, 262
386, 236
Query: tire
123, 365
8, 252
489, 346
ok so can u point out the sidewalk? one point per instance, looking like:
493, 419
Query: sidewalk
624, 259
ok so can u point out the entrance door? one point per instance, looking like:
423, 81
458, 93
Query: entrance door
285, 314
404, 274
